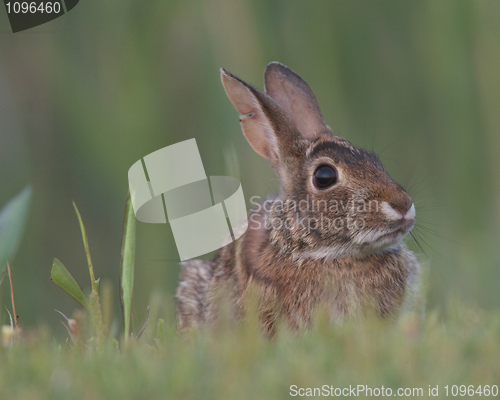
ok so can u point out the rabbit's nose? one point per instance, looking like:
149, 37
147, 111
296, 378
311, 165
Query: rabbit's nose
401, 203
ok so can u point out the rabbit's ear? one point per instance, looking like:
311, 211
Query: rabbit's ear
267, 127
295, 96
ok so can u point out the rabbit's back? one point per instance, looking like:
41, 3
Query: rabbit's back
192, 291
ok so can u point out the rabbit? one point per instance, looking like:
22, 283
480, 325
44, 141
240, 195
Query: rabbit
331, 237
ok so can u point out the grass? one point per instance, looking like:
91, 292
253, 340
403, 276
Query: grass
235, 362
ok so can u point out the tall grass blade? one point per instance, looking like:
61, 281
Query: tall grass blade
12, 220
63, 278
12, 294
127, 266
87, 251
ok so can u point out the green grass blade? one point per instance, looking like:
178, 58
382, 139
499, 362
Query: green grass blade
87, 251
12, 220
127, 266
63, 278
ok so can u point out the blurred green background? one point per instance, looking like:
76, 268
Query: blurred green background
86, 95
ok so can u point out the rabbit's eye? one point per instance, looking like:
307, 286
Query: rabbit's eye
325, 176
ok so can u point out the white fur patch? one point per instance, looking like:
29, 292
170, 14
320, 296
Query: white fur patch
410, 214
325, 253
389, 212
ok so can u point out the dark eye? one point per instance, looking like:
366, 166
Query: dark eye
325, 176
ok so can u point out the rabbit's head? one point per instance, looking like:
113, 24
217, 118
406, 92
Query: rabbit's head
336, 200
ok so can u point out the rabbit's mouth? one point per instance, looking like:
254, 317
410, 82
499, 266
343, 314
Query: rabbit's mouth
393, 237
378, 239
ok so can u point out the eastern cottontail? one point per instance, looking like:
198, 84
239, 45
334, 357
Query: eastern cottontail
331, 237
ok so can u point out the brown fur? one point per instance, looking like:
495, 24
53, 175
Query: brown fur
293, 267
